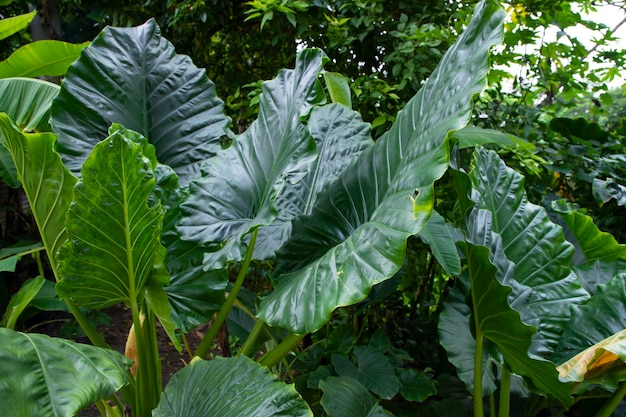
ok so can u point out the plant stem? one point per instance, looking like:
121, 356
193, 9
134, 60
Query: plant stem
274, 356
207, 340
478, 376
94, 336
252, 337
610, 406
505, 393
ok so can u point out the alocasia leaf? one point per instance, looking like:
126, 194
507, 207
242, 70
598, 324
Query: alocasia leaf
229, 387
536, 246
132, 76
47, 183
113, 227
601, 317
44, 376
20, 300
591, 243
345, 397
415, 386
193, 293
340, 135
356, 234
500, 312
437, 235
27, 102
41, 58
239, 186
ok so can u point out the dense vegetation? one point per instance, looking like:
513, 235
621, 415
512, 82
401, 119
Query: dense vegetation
407, 223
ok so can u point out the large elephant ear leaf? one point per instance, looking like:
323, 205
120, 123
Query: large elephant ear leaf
601, 317
243, 181
229, 387
113, 226
356, 234
533, 243
193, 293
132, 76
27, 102
47, 183
44, 376
340, 135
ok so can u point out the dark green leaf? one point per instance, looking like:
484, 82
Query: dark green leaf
356, 234
535, 245
437, 235
227, 387
415, 386
345, 397
132, 76
243, 182
373, 370
20, 300
43, 376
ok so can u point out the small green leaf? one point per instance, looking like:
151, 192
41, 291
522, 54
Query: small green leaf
338, 88
345, 397
374, 371
20, 300
415, 386
437, 235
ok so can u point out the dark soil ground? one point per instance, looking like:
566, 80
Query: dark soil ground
116, 333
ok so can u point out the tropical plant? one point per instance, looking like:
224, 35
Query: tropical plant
112, 226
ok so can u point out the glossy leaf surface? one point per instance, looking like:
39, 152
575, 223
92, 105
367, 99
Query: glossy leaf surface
226, 387
437, 235
47, 183
356, 234
601, 317
44, 376
132, 76
114, 229
536, 246
20, 300
240, 185
41, 58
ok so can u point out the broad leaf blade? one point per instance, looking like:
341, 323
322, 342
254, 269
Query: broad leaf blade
437, 235
193, 293
43, 376
243, 181
532, 242
229, 387
132, 76
591, 243
340, 135
47, 183
113, 229
345, 397
601, 317
494, 292
41, 58
356, 234
27, 102
11, 25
